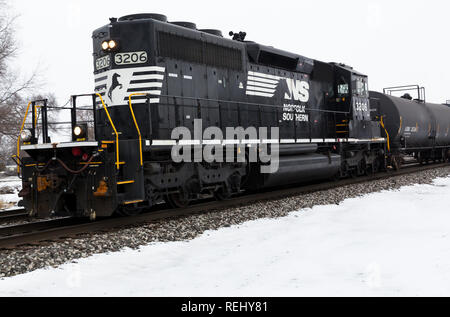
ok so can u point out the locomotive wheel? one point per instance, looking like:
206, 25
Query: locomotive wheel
130, 211
336, 177
375, 166
232, 185
353, 172
222, 194
177, 200
364, 168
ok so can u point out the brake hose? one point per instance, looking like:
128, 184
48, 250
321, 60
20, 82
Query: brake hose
72, 171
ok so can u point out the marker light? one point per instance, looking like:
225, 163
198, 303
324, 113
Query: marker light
85, 157
76, 151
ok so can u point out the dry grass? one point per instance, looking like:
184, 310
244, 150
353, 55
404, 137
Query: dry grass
4, 205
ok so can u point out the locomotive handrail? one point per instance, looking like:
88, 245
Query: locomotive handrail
36, 114
20, 133
115, 131
247, 103
135, 123
275, 107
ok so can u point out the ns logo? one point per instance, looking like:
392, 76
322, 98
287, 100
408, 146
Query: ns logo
298, 90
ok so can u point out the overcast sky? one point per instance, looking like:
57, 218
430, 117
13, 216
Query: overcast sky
394, 42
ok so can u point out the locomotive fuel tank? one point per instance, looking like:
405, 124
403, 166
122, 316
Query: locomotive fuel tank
304, 168
412, 124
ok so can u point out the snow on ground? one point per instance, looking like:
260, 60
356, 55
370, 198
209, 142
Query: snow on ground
9, 188
393, 243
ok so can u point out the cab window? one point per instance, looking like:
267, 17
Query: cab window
343, 89
360, 86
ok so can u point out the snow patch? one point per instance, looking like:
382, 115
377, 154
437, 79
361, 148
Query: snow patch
9, 188
391, 243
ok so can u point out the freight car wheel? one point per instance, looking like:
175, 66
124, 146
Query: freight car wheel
396, 163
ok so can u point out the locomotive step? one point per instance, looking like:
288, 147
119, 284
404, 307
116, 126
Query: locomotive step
131, 202
125, 182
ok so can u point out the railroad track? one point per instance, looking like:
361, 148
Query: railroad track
38, 232
13, 215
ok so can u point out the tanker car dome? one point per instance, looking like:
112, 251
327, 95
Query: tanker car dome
407, 96
142, 16
188, 25
213, 32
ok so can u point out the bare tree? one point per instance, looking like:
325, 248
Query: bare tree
13, 89
10, 84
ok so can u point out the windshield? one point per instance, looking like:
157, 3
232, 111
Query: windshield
360, 86
343, 89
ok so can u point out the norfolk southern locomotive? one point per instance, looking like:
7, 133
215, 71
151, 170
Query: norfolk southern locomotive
152, 76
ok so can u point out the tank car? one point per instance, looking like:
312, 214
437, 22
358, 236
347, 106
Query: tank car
414, 127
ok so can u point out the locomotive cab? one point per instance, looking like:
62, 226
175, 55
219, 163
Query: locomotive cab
352, 91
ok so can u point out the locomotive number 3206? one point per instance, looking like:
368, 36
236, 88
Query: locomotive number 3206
131, 58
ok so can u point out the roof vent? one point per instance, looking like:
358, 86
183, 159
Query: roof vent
188, 25
142, 16
213, 32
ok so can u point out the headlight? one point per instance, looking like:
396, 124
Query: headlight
105, 46
109, 45
26, 135
112, 44
78, 131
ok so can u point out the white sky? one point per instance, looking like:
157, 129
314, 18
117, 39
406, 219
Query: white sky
394, 42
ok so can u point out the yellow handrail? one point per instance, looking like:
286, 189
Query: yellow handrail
20, 133
137, 126
387, 134
36, 114
115, 131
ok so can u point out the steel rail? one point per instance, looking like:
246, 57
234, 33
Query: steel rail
72, 229
37, 226
13, 214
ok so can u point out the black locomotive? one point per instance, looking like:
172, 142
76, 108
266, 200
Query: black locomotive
152, 77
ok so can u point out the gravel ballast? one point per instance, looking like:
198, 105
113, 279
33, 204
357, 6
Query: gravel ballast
27, 259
